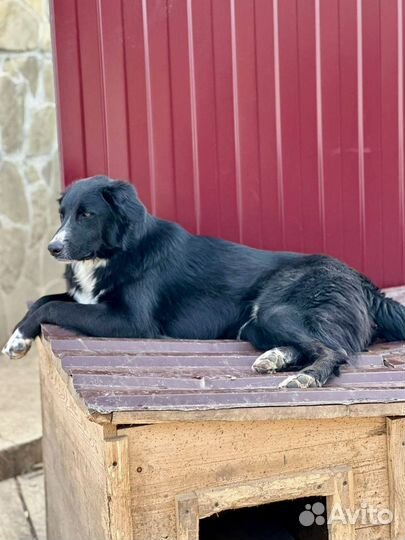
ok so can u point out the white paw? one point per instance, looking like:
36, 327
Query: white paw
273, 360
300, 380
17, 346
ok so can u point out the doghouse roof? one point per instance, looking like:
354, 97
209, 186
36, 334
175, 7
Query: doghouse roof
131, 381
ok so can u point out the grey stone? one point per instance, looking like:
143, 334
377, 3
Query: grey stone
27, 66
43, 131
31, 265
13, 202
24, 290
49, 82
52, 279
51, 174
45, 42
38, 6
12, 103
55, 287
31, 174
19, 26
30, 69
13, 247
3, 324
40, 210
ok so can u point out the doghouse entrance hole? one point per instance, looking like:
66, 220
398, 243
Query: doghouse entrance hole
297, 519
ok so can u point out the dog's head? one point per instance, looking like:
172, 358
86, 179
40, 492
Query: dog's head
99, 217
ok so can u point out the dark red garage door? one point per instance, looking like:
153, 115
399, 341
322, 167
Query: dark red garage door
278, 123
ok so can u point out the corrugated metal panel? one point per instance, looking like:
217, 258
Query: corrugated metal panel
277, 123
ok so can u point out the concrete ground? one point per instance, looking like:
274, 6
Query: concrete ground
20, 415
22, 507
22, 497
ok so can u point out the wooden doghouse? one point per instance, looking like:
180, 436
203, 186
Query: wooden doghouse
143, 439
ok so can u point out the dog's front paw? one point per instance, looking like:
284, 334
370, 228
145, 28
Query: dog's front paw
17, 346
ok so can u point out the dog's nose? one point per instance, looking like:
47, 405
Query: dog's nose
55, 248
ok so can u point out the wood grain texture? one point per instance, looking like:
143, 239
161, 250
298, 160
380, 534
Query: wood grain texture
154, 482
187, 517
118, 488
342, 497
177, 458
335, 483
303, 412
73, 452
377, 532
278, 487
396, 471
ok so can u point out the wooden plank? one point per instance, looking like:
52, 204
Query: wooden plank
158, 361
259, 414
343, 498
336, 483
266, 490
111, 376
396, 471
118, 488
108, 402
13, 522
188, 457
33, 492
198, 366
132, 346
73, 449
377, 532
122, 375
187, 517
188, 378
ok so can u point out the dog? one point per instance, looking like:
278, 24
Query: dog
132, 275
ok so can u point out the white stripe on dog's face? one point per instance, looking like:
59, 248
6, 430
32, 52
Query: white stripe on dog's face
62, 234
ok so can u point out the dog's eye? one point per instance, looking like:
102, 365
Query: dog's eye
86, 215
61, 215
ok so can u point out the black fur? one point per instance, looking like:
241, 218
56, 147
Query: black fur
159, 280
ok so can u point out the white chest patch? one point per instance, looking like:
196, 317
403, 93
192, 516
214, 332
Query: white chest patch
84, 272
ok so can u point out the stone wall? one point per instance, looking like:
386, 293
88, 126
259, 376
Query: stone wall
29, 171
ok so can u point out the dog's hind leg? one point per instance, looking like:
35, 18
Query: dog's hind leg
277, 356
277, 359
290, 344
324, 363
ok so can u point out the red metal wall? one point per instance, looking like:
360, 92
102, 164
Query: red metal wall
277, 123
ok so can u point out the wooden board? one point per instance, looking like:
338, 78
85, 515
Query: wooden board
378, 532
74, 464
336, 483
118, 488
174, 458
396, 470
302, 412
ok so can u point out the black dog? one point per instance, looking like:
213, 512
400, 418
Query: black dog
133, 275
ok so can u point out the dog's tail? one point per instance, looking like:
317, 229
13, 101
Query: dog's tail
389, 316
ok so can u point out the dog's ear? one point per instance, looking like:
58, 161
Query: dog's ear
130, 215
